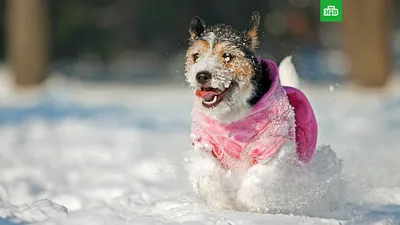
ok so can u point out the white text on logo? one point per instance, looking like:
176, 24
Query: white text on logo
331, 11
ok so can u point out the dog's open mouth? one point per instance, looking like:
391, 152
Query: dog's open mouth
211, 96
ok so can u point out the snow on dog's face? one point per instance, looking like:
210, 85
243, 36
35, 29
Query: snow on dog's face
220, 65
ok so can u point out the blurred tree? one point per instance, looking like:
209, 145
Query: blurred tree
366, 40
27, 30
80, 27
2, 30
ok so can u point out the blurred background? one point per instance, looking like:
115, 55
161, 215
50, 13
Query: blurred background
143, 42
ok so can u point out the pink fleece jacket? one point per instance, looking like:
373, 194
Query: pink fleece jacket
282, 114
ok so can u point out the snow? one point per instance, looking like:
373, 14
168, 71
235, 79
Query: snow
92, 154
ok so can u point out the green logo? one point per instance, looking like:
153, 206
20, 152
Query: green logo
331, 10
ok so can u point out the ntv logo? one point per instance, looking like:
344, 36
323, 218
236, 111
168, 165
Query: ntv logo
331, 11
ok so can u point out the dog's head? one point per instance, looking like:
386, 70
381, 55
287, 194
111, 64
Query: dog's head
222, 68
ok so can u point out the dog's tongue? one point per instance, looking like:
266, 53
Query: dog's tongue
206, 95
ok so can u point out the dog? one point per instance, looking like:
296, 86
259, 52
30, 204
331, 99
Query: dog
250, 135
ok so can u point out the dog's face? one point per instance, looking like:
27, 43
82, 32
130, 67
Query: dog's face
221, 65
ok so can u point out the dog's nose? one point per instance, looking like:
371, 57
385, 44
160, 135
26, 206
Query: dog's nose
203, 77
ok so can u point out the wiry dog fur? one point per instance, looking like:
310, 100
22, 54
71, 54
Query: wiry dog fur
230, 57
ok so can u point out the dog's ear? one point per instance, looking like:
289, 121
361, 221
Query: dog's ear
252, 31
197, 27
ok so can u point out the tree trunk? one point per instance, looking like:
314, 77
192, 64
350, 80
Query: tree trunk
27, 40
366, 28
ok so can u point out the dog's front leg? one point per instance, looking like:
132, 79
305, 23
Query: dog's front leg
251, 195
206, 175
258, 188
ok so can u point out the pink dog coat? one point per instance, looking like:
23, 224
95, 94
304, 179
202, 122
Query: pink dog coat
282, 114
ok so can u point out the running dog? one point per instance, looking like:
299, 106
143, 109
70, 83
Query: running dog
249, 133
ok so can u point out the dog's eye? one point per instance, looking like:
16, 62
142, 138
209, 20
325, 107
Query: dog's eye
195, 56
227, 57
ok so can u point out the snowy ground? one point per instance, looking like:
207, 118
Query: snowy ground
83, 154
